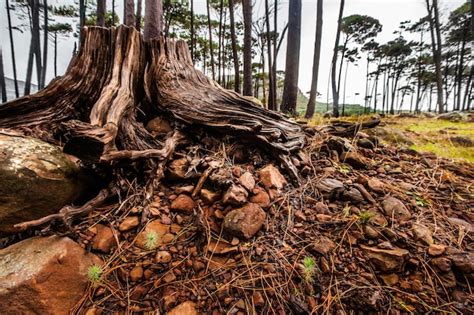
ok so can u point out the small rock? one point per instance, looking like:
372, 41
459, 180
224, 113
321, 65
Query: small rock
461, 224
395, 209
183, 203
323, 217
186, 308
354, 159
178, 168
324, 245
258, 299
209, 196
158, 126
169, 277
422, 233
386, 259
244, 222
327, 186
321, 207
185, 189
163, 257
365, 143
260, 197
464, 262
390, 279
43, 275
129, 223
376, 185
136, 273
247, 181
442, 263
271, 177
463, 141
353, 195
436, 250
198, 265
235, 195
104, 240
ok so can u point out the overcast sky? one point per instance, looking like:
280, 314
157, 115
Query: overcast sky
389, 12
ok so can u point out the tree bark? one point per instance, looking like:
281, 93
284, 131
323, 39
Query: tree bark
335, 92
235, 54
247, 8
153, 19
290, 88
129, 12
12, 47
45, 44
138, 16
35, 37
193, 42
3, 87
436, 45
317, 53
211, 48
271, 90
101, 9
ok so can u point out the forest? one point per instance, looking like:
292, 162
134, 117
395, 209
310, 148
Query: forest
172, 162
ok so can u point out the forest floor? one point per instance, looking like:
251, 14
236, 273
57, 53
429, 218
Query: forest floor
373, 228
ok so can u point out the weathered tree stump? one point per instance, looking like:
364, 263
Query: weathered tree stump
118, 82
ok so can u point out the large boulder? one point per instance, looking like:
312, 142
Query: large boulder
43, 275
37, 179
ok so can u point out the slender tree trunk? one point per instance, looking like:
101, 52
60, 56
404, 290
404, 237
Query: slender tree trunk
3, 86
467, 93
138, 16
113, 12
55, 54
436, 44
45, 44
235, 55
153, 19
262, 56
460, 73
12, 47
219, 52
275, 55
341, 65
129, 12
366, 99
317, 53
101, 9
82, 17
271, 91
35, 37
211, 48
376, 87
29, 69
290, 88
335, 92
247, 8
193, 42
345, 85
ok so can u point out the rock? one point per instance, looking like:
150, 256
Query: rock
247, 181
461, 224
353, 195
43, 275
390, 279
183, 203
395, 209
221, 247
463, 141
235, 195
436, 250
209, 196
365, 143
392, 135
464, 262
324, 245
321, 207
244, 222
327, 186
158, 126
104, 240
258, 299
451, 116
376, 185
355, 160
186, 308
338, 144
129, 223
185, 189
169, 277
386, 259
260, 198
136, 273
37, 179
422, 233
177, 169
163, 257
153, 234
442, 263
271, 177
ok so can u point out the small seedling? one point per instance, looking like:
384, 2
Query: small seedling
151, 240
365, 216
421, 202
94, 273
346, 211
309, 269
343, 169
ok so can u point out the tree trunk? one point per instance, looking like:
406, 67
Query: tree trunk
290, 88
35, 37
12, 47
45, 44
436, 47
247, 8
29, 69
235, 54
271, 90
3, 87
101, 9
153, 19
82, 17
317, 53
211, 48
117, 76
460, 73
55, 54
335, 92
219, 52
129, 12
193, 42
138, 16
345, 85
275, 56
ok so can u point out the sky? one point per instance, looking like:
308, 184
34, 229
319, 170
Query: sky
389, 12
